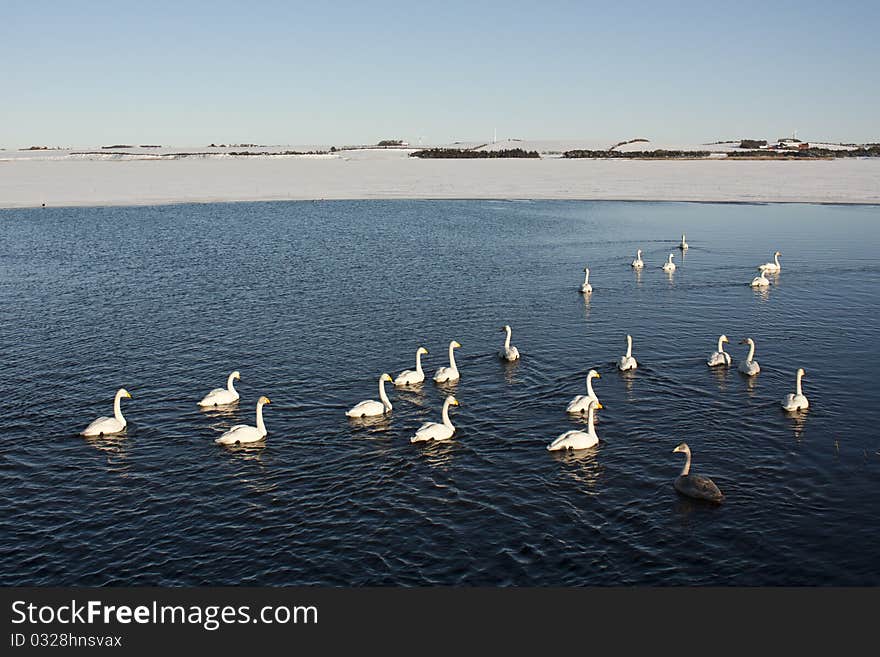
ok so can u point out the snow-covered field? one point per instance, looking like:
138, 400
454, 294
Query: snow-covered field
31, 178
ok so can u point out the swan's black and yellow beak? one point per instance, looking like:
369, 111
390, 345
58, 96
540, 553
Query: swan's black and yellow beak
599, 405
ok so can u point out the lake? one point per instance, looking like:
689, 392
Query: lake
312, 301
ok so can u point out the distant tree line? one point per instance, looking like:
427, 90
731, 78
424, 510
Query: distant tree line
459, 153
391, 142
753, 143
870, 150
634, 155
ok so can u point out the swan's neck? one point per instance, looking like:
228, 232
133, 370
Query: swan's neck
669, 261
229, 384
629, 347
260, 425
385, 402
117, 409
776, 259
799, 391
751, 351
590, 428
507, 339
639, 254
586, 277
452, 357
720, 346
687, 464
589, 386
446, 419
419, 361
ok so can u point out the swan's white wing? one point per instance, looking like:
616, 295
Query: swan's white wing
366, 408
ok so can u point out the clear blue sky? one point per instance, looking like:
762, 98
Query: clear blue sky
191, 73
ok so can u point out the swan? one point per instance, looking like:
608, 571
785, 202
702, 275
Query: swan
719, 357
797, 401
694, 485
749, 366
684, 245
437, 430
106, 426
448, 374
638, 263
244, 433
586, 288
627, 362
760, 280
772, 267
579, 439
581, 403
412, 377
221, 396
369, 407
508, 353
669, 266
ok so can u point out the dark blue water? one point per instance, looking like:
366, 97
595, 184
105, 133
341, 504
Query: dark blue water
312, 301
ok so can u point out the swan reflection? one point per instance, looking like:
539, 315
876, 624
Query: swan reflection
581, 466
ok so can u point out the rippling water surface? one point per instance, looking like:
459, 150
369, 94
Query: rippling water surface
312, 301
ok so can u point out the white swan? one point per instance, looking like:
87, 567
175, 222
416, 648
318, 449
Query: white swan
221, 396
749, 366
508, 353
669, 266
369, 407
797, 401
581, 403
772, 267
437, 430
638, 263
412, 377
684, 245
448, 374
627, 362
586, 288
719, 357
760, 280
244, 433
106, 426
578, 439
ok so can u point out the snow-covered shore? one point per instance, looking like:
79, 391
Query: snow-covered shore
58, 179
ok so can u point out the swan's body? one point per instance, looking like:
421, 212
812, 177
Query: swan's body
684, 245
719, 357
797, 401
669, 266
760, 280
448, 374
749, 366
370, 407
412, 377
578, 439
627, 362
107, 426
581, 403
437, 430
638, 263
221, 396
694, 485
586, 288
244, 433
508, 353
772, 267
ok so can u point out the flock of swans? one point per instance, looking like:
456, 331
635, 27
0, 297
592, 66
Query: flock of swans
687, 483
